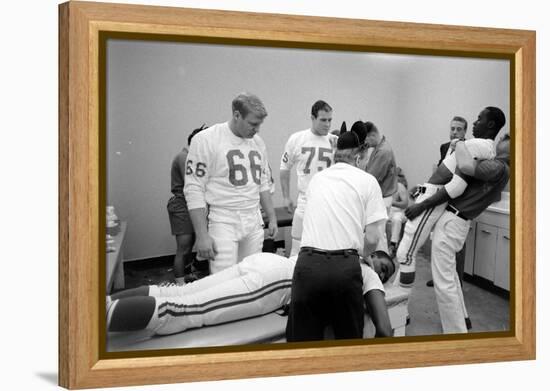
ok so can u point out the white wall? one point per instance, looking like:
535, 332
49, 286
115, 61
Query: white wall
158, 92
433, 91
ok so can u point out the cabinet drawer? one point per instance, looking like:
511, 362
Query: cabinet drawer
502, 261
493, 218
485, 251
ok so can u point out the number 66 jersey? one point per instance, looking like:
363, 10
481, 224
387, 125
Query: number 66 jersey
225, 171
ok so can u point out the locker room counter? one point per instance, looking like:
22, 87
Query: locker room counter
269, 328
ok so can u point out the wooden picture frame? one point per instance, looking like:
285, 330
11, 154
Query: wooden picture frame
82, 194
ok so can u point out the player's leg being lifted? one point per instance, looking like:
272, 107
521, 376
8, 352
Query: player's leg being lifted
415, 235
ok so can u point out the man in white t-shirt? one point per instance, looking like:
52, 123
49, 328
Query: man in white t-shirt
225, 183
344, 206
258, 285
310, 150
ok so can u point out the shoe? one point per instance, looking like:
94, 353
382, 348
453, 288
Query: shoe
430, 283
199, 269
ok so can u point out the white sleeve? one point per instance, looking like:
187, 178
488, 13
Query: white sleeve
371, 281
266, 183
376, 209
480, 149
456, 186
287, 159
197, 172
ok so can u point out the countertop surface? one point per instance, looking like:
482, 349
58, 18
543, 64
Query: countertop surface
502, 206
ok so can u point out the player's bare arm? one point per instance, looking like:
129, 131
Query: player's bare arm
376, 308
267, 205
205, 245
373, 233
285, 188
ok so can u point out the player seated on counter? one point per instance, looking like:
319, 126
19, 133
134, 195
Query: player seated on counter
258, 285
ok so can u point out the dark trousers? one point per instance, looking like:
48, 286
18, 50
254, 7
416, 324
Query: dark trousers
326, 290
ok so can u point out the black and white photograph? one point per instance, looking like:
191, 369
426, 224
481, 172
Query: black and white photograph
275, 195
270, 195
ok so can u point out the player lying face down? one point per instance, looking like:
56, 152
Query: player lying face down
258, 285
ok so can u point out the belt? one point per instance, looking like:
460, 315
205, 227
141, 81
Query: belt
345, 252
456, 212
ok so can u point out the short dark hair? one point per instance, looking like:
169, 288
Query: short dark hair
320, 105
461, 119
384, 255
370, 127
194, 133
496, 115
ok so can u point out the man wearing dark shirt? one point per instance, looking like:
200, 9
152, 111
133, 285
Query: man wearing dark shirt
486, 180
180, 222
457, 131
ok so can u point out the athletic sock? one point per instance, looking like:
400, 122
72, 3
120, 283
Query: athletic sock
131, 313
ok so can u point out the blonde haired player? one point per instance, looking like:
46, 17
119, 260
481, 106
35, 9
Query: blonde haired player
310, 150
225, 183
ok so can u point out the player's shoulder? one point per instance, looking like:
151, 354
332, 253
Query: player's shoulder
364, 175
212, 135
301, 135
214, 129
479, 142
371, 280
259, 141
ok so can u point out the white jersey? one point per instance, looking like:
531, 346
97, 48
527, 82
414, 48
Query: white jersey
269, 171
479, 148
340, 202
225, 171
310, 153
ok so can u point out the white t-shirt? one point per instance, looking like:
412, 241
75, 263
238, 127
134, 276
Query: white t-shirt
479, 148
226, 171
310, 153
340, 202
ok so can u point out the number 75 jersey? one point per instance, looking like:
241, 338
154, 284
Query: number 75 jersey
310, 153
223, 170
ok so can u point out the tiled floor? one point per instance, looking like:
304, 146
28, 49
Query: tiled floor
488, 311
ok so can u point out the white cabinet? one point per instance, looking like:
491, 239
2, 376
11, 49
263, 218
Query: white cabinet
488, 248
485, 251
502, 261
